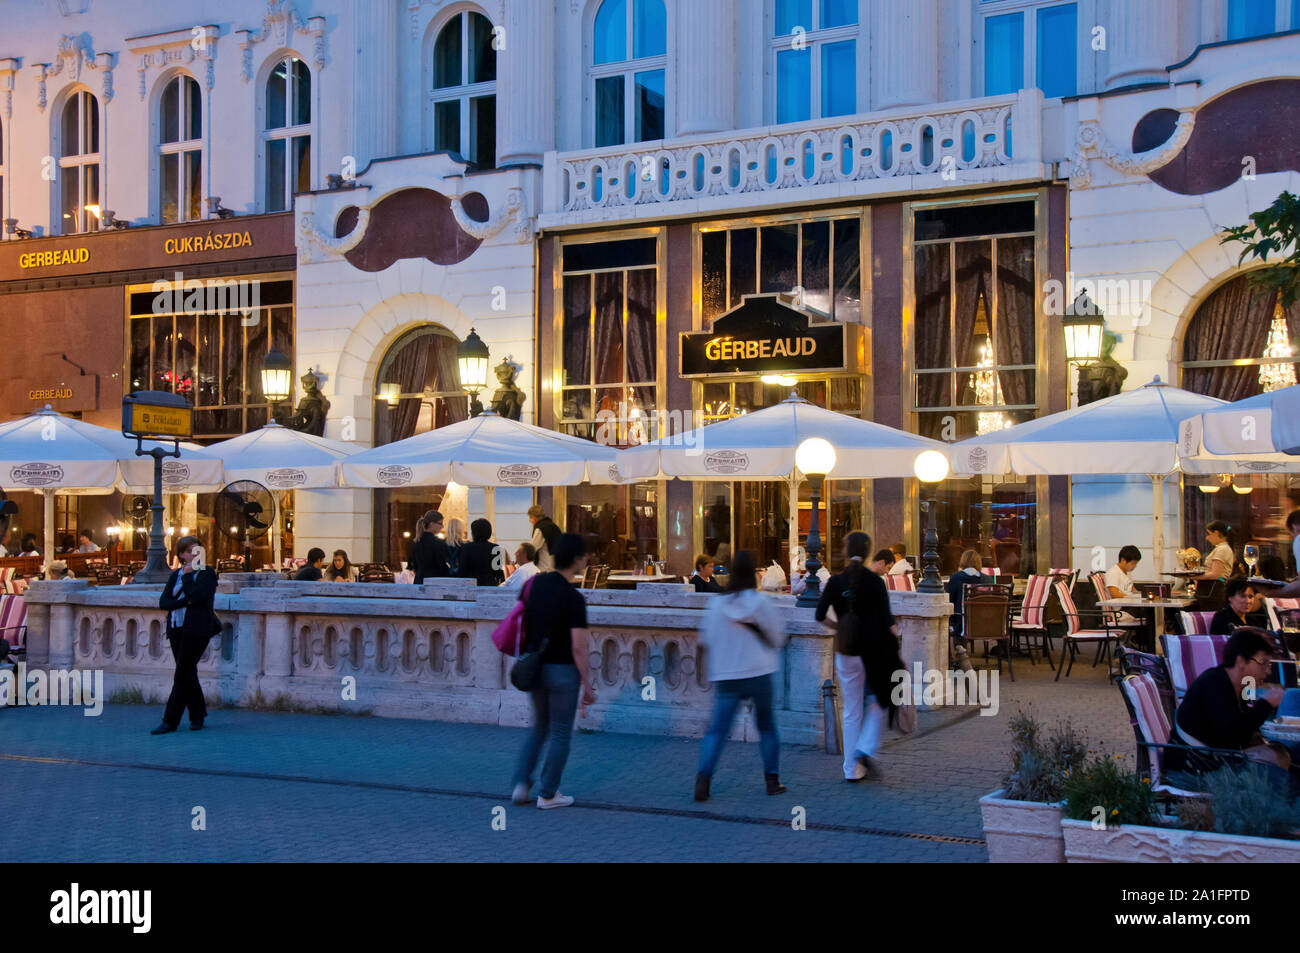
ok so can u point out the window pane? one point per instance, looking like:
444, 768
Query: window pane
169, 112
778, 257
1004, 54
169, 182
254, 352
186, 356
839, 82
816, 278
793, 13
209, 383
90, 197
482, 58
793, 85
933, 294
232, 358
713, 274
641, 326
70, 140
1247, 18
194, 110
275, 175
744, 270
193, 188
607, 350
483, 130
446, 126
162, 353
848, 270
446, 56
609, 110
577, 330
649, 28
139, 353
1015, 324
90, 116
301, 93
838, 13
302, 163
609, 36
276, 90
68, 205
1057, 50
650, 105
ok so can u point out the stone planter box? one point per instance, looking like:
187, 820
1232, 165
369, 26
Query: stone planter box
1136, 844
1022, 832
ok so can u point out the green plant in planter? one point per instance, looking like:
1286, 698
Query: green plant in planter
1039, 767
1243, 801
1105, 789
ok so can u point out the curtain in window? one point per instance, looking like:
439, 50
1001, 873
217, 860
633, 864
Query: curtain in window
609, 329
973, 267
410, 370
1232, 323
1015, 321
641, 325
932, 310
454, 409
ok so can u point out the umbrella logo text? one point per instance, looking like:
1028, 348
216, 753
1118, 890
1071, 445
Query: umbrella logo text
393, 476
286, 478
726, 461
519, 474
36, 474
175, 473
978, 459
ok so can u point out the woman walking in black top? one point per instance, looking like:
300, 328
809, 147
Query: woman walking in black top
481, 559
866, 655
555, 614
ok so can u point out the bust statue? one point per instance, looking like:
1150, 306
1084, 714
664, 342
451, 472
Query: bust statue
508, 399
312, 408
1102, 378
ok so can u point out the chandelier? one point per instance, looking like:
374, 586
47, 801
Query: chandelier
1276, 376
988, 390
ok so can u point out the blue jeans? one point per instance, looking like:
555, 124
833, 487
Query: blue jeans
555, 703
730, 693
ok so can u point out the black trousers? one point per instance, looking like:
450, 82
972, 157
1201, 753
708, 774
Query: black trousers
186, 690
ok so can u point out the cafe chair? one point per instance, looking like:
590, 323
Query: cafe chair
589, 577
1032, 619
13, 623
1152, 729
986, 618
900, 582
230, 565
1195, 623
376, 575
1076, 633
7, 579
602, 577
1115, 618
1211, 595
1134, 662
1274, 606
1068, 576
1188, 656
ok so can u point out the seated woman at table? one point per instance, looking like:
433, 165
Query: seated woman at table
68, 544
1243, 608
1215, 712
341, 569
29, 546
1218, 565
968, 573
702, 579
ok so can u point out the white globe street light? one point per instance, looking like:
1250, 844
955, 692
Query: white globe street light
814, 458
931, 468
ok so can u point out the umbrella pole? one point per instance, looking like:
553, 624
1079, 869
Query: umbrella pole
277, 536
793, 495
49, 529
490, 506
1158, 522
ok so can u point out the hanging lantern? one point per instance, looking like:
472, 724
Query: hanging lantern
1084, 326
277, 375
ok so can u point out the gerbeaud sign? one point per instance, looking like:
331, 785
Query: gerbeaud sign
763, 335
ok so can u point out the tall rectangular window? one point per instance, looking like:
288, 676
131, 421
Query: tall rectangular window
1247, 18
1058, 50
813, 46
1004, 54
793, 85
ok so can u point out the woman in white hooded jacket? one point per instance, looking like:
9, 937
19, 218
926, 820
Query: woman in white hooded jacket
743, 636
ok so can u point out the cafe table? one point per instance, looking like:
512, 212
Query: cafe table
629, 580
1159, 605
1186, 575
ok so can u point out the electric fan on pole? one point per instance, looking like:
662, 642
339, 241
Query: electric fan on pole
245, 510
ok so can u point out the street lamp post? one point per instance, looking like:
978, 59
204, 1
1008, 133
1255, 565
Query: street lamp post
814, 458
931, 468
277, 379
472, 358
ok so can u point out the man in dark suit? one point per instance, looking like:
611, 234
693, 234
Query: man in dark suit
187, 600
432, 558
312, 571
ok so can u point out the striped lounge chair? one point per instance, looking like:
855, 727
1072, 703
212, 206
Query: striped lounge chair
13, 621
1196, 623
1032, 620
900, 582
1076, 633
1190, 655
1274, 606
1114, 617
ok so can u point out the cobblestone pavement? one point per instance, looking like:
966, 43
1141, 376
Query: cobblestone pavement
287, 787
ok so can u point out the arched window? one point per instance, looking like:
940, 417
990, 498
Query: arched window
1224, 356
287, 135
463, 95
814, 49
629, 46
180, 154
79, 158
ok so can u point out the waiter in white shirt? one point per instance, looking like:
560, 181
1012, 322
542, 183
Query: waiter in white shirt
901, 565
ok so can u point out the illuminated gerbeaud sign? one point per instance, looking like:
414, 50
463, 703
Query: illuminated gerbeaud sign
48, 259
763, 335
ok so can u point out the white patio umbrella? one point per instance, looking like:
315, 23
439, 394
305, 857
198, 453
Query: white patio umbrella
761, 445
282, 459
49, 453
486, 451
1131, 433
1259, 434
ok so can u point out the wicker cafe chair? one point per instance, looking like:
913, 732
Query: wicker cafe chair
589, 577
1153, 730
1076, 633
986, 618
602, 577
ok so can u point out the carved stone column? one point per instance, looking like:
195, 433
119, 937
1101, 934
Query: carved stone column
904, 51
706, 67
376, 101
1141, 39
526, 84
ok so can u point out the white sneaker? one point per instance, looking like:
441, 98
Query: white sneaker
859, 772
560, 800
520, 795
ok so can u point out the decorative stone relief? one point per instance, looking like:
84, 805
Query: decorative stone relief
185, 48
309, 237
280, 25
1091, 143
8, 68
72, 57
485, 230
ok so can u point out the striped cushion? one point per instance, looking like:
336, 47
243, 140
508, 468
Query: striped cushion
1197, 623
7, 579
900, 582
1190, 655
1067, 607
1274, 605
1152, 723
991, 571
1035, 604
13, 616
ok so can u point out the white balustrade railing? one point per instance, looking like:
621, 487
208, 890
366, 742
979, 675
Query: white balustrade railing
948, 140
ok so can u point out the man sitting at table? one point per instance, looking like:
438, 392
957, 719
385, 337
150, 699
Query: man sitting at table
702, 579
1119, 577
1243, 608
312, 572
525, 566
881, 562
901, 565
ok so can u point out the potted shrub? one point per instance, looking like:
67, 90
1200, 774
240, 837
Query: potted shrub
1022, 820
1245, 819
